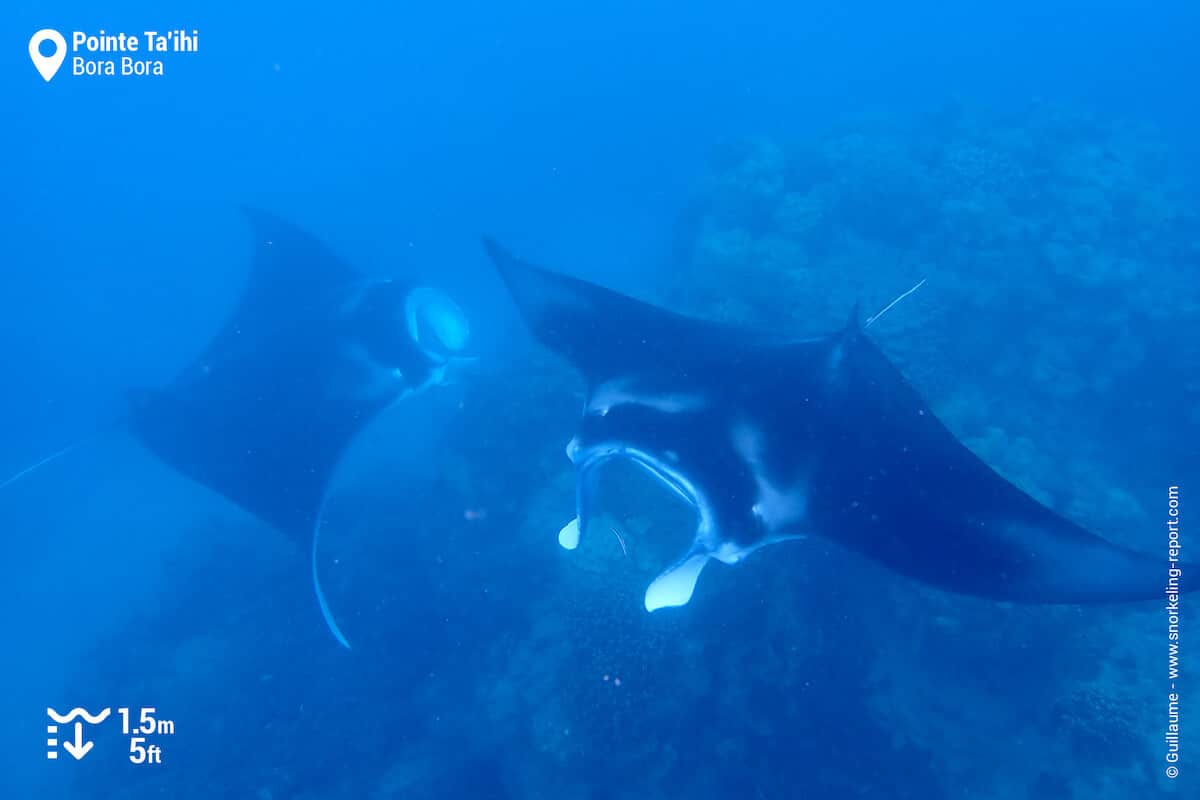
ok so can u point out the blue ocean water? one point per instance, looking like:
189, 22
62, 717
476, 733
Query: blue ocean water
764, 164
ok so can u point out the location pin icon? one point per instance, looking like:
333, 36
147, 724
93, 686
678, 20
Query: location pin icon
47, 65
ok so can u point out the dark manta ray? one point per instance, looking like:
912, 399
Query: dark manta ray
311, 354
774, 441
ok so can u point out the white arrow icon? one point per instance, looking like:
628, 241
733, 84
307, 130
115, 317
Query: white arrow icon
79, 748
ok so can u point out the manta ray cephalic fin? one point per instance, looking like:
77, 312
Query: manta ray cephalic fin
568, 537
674, 587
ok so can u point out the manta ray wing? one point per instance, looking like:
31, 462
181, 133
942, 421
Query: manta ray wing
605, 333
899, 487
263, 415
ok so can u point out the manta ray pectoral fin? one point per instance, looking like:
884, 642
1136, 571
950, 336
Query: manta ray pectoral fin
603, 333
674, 587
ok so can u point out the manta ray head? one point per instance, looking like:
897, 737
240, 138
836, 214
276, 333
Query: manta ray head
407, 333
625, 419
677, 397
723, 473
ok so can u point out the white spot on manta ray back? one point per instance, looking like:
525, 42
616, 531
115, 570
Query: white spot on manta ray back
776, 507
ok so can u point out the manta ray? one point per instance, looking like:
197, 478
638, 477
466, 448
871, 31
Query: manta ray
772, 441
310, 355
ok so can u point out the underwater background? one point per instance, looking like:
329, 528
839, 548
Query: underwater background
761, 163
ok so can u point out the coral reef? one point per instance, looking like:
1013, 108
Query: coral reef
1099, 724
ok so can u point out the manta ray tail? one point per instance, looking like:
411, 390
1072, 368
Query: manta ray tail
52, 457
877, 315
326, 611
34, 467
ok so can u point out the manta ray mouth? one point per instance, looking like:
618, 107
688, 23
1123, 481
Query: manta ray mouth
675, 585
587, 460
